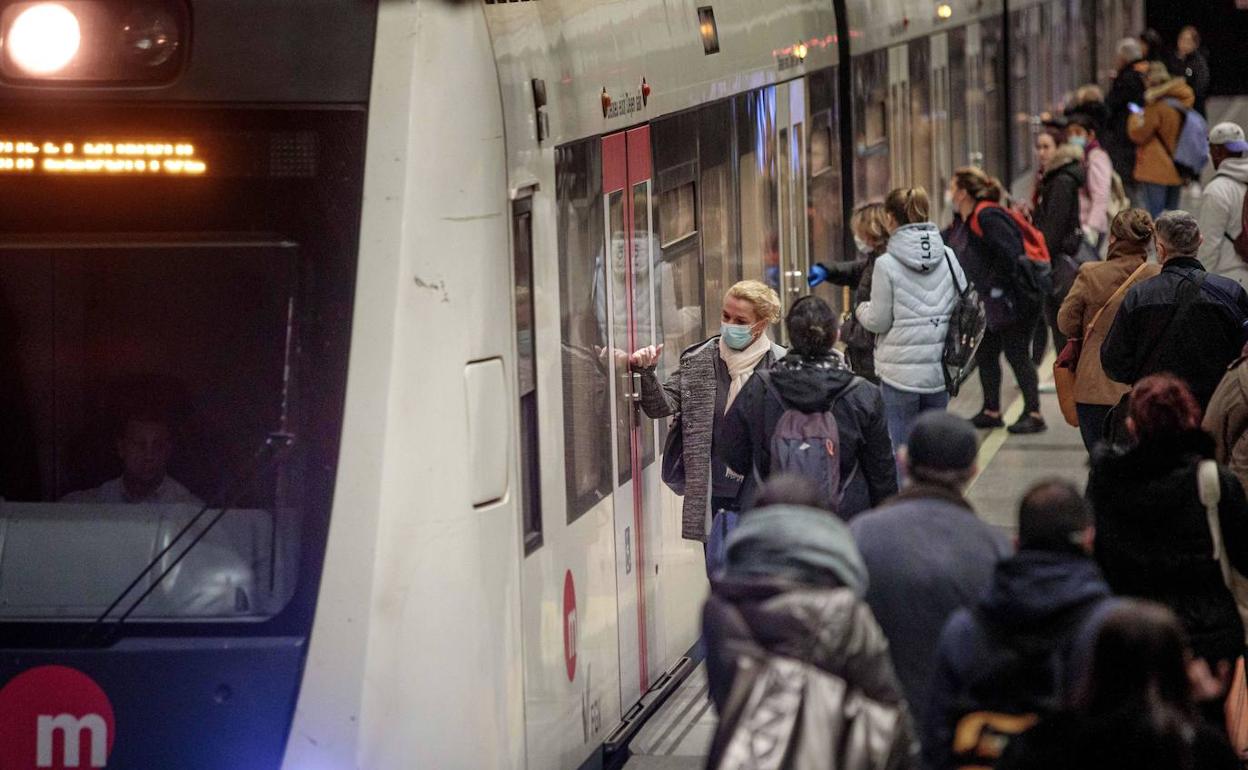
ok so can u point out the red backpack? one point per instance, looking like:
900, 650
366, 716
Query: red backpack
1033, 240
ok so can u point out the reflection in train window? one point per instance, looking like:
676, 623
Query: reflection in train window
824, 187
677, 214
583, 327
921, 118
756, 169
871, 167
720, 254
138, 384
990, 71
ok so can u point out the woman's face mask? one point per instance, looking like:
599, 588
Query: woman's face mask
1079, 141
862, 246
736, 336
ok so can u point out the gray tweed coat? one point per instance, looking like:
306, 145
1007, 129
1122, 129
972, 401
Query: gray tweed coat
690, 392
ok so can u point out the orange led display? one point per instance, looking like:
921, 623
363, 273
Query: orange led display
130, 157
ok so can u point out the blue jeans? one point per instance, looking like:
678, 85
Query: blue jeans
1160, 198
902, 408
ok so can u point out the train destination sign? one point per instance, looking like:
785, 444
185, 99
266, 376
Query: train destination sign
100, 157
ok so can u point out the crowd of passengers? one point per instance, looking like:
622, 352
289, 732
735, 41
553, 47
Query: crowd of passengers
861, 614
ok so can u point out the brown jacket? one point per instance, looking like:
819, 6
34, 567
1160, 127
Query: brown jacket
1094, 285
1226, 420
1156, 132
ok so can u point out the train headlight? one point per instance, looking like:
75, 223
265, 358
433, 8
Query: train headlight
77, 43
43, 38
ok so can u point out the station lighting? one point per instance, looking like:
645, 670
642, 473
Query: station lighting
944, 11
43, 39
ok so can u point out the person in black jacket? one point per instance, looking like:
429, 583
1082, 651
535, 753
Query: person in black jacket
992, 263
1049, 598
1191, 64
870, 227
1135, 710
1152, 532
813, 378
1056, 216
1128, 88
1149, 336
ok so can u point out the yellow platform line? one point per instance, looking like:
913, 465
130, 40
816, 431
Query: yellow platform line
993, 442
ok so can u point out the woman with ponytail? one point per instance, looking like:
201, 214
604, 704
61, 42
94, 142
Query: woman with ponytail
812, 379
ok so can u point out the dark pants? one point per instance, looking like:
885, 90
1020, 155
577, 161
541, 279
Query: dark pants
1015, 342
1044, 327
1092, 423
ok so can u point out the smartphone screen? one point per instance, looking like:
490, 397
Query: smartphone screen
1135, 108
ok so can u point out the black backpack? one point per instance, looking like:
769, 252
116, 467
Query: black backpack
967, 324
1022, 682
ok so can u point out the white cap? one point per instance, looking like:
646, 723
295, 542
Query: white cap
1230, 136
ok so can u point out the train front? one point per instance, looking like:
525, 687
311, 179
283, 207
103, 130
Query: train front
180, 194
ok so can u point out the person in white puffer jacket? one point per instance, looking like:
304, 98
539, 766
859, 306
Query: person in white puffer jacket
914, 288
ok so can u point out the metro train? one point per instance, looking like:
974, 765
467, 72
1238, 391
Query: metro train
320, 446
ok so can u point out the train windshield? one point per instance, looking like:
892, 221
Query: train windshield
139, 384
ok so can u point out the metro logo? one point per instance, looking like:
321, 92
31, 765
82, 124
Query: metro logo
54, 718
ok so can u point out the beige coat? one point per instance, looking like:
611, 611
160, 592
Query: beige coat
1226, 420
1156, 133
1095, 284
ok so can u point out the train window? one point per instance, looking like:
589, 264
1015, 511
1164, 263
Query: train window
677, 214
921, 118
643, 306
526, 366
583, 327
871, 169
721, 257
824, 187
140, 383
962, 94
756, 165
991, 67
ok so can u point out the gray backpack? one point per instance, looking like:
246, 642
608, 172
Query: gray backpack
808, 444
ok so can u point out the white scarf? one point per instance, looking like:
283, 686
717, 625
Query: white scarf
741, 364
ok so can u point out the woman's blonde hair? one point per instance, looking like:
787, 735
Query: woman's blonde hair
869, 221
978, 184
764, 299
908, 205
1134, 225
1089, 93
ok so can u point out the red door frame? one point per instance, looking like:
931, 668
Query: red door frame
626, 163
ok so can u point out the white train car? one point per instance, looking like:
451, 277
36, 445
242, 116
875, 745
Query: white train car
639, 158
415, 239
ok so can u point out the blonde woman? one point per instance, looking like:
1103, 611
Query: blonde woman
710, 376
870, 228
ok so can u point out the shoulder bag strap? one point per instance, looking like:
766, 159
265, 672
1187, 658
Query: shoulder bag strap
952, 275
1118, 293
1180, 313
1209, 487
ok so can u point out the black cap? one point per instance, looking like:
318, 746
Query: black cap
940, 441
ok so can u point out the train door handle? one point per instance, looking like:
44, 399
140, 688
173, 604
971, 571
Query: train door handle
632, 393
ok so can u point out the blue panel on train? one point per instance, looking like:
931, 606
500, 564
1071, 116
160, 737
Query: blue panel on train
191, 704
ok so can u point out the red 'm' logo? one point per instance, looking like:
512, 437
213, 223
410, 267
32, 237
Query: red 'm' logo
56, 718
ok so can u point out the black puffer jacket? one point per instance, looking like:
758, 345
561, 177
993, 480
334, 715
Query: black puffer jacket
1153, 540
1057, 201
859, 343
868, 471
1142, 342
771, 623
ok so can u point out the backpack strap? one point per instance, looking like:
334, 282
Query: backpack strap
1180, 314
976, 227
765, 378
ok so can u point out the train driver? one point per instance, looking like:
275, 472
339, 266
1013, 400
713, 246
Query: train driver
144, 446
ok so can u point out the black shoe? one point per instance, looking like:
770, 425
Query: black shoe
983, 420
1028, 423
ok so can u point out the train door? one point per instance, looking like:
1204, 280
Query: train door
626, 187
791, 138
899, 115
942, 144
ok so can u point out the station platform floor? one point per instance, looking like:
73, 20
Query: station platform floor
678, 736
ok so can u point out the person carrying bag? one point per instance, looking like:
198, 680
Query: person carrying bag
1067, 363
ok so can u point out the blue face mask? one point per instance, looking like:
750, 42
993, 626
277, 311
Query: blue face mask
736, 336
1079, 141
